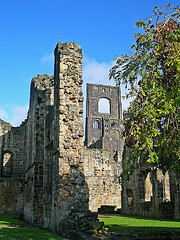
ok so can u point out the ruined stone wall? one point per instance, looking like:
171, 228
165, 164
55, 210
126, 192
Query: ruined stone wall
50, 146
69, 190
104, 137
11, 167
47, 174
47, 149
101, 169
41, 96
148, 192
11, 195
4, 128
103, 117
48, 167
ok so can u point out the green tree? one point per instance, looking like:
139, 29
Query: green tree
151, 72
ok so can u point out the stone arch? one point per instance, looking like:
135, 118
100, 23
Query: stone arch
104, 105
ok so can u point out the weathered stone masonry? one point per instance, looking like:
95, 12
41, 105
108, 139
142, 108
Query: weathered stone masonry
69, 189
104, 144
46, 172
11, 167
54, 178
150, 193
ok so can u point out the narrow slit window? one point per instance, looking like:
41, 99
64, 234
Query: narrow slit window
96, 125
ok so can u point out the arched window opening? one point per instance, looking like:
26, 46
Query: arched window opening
104, 105
148, 188
96, 124
6, 171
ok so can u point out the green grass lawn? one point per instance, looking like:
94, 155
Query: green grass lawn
120, 223
22, 233
12, 231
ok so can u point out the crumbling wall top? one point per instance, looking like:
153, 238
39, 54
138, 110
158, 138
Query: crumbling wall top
66, 48
4, 127
42, 82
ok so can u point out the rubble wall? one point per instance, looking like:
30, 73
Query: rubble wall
69, 189
48, 175
101, 170
11, 167
40, 97
150, 192
11, 195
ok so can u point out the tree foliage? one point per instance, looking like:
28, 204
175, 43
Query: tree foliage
152, 73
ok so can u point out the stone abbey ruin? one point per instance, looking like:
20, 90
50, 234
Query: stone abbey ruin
53, 178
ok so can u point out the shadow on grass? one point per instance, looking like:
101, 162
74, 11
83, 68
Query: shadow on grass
117, 228
144, 233
27, 234
10, 219
149, 218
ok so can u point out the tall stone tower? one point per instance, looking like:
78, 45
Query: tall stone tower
103, 117
69, 189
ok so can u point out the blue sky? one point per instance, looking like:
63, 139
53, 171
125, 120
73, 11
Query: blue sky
30, 30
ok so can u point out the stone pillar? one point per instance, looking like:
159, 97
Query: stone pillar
69, 103
155, 194
177, 199
69, 189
